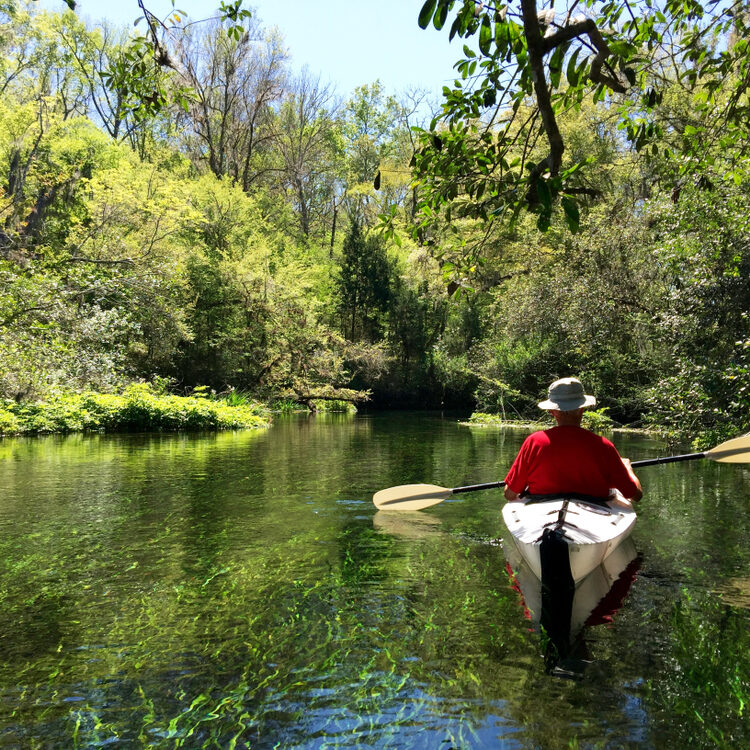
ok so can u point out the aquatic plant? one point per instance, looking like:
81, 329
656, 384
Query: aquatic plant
706, 689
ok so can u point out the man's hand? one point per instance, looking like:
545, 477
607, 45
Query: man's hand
510, 496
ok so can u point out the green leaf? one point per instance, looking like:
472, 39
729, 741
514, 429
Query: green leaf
555, 65
455, 28
442, 13
572, 74
572, 213
425, 15
543, 193
485, 37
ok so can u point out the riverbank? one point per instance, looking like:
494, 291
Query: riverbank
596, 421
137, 408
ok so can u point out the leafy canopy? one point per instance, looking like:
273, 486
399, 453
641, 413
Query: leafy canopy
497, 149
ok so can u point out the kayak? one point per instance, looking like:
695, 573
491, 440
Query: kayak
568, 536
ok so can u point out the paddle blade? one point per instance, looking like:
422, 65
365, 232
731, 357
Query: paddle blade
410, 497
735, 451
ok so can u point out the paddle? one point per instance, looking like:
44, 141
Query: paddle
419, 496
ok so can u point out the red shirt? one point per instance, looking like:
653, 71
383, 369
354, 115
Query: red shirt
569, 459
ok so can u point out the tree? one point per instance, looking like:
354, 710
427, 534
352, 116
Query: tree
375, 131
307, 140
475, 160
364, 285
91, 288
236, 83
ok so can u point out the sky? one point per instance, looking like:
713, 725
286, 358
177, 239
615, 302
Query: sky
348, 42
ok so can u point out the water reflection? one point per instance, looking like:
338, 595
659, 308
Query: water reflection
561, 612
406, 524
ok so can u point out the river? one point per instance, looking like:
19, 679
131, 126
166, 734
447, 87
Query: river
240, 590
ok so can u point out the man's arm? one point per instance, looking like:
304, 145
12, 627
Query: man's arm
639, 492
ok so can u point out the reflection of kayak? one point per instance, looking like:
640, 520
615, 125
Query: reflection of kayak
596, 597
563, 611
568, 537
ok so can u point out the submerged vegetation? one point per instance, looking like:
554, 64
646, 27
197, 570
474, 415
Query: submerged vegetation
227, 229
232, 590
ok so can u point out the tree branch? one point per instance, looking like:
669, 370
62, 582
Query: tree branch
588, 28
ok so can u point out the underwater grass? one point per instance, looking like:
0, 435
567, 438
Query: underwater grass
138, 408
707, 693
238, 653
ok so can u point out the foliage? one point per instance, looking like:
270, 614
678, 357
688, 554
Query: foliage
481, 163
597, 420
333, 405
705, 248
138, 408
481, 417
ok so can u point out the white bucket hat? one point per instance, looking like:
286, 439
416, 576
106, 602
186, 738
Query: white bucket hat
567, 394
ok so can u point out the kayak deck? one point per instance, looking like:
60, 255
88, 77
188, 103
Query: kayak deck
591, 531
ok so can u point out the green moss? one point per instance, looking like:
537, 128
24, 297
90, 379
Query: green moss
137, 408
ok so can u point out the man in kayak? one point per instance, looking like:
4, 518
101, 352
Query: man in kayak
568, 458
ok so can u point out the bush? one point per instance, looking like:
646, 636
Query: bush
334, 405
480, 417
9, 424
597, 420
139, 408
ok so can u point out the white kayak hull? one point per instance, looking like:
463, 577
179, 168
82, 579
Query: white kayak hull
592, 532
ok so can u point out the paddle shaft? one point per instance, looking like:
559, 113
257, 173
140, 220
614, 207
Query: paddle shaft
644, 462
668, 459
472, 487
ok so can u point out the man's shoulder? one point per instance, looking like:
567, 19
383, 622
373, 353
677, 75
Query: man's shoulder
540, 436
579, 434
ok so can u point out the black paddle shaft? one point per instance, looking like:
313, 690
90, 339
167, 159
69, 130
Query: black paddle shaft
644, 462
473, 487
668, 459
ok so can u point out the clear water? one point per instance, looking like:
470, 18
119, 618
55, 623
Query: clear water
240, 590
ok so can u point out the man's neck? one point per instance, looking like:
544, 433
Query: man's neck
568, 418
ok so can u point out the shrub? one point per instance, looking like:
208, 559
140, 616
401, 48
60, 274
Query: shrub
138, 408
597, 420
